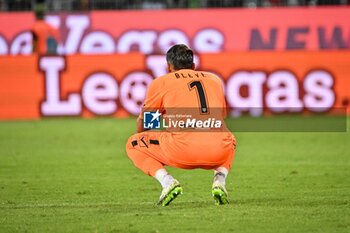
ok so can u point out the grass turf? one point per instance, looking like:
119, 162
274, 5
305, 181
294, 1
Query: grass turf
73, 175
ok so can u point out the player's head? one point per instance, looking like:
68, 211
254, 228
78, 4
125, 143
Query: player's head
179, 57
39, 12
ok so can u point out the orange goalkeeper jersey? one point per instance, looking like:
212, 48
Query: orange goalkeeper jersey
187, 89
202, 94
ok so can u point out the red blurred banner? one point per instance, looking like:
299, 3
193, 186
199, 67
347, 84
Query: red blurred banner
205, 30
32, 87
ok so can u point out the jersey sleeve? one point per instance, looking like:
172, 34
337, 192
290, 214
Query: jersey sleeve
154, 97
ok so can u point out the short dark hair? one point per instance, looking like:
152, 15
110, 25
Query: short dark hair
180, 57
39, 11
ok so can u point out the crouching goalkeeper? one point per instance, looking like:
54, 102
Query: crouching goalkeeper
186, 88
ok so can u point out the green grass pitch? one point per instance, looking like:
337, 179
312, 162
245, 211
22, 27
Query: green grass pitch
73, 175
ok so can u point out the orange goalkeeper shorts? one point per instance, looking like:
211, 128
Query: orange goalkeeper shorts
151, 151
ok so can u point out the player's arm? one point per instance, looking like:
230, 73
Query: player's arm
153, 101
139, 124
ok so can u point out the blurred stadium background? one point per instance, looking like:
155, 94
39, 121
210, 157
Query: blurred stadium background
77, 5
71, 85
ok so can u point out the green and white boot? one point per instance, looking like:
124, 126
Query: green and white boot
219, 193
169, 193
